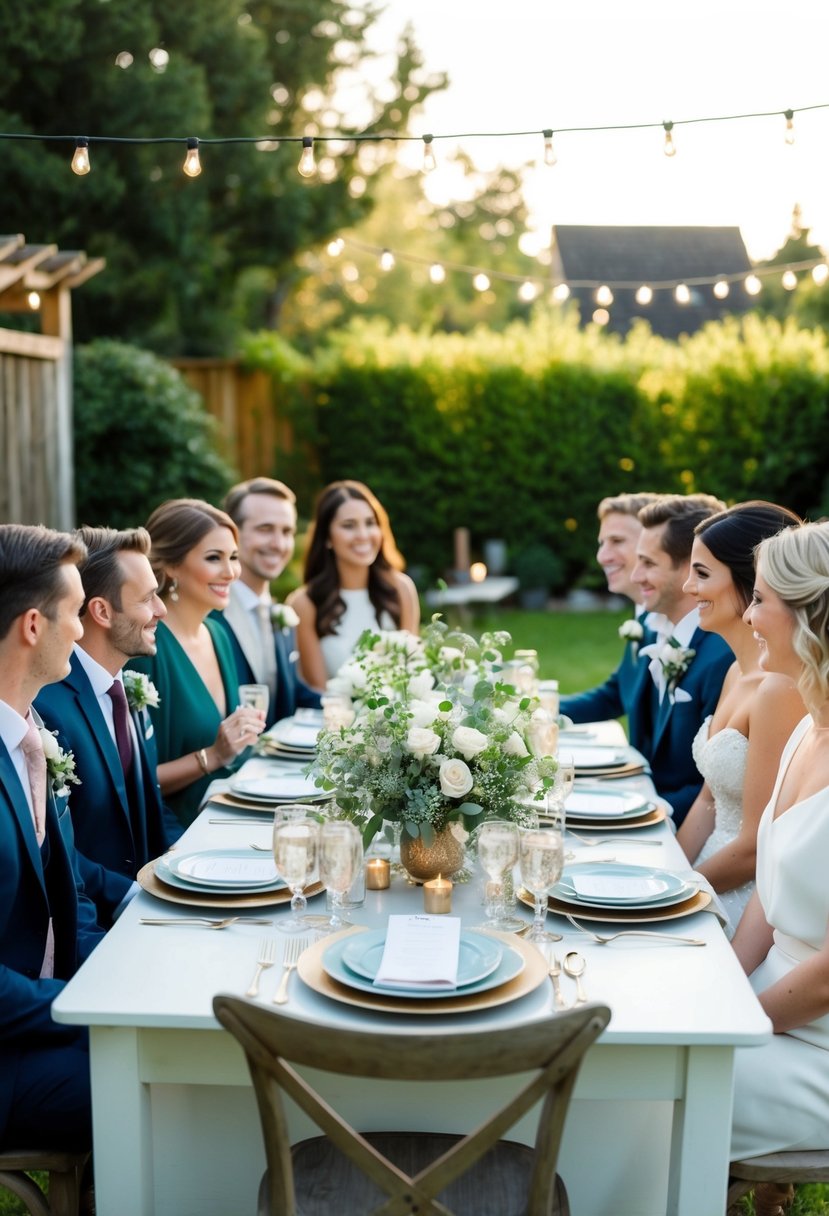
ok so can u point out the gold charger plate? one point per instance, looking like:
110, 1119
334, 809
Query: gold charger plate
147, 879
610, 774
622, 916
244, 804
616, 825
310, 971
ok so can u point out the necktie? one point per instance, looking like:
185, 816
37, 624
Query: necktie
263, 616
120, 714
33, 753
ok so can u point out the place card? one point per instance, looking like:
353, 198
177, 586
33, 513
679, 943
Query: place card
420, 949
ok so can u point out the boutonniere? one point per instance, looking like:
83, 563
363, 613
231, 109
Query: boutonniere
283, 617
140, 691
631, 631
60, 765
675, 660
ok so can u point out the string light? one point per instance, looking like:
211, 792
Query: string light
80, 160
307, 165
789, 117
429, 162
550, 157
527, 291
753, 285
437, 273
387, 260
644, 295
682, 293
604, 296
789, 280
561, 292
33, 300
481, 281
192, 163
721, 289
820, 273
601, 316
334, 248
668, 147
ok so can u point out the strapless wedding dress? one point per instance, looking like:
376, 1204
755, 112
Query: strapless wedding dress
721, 758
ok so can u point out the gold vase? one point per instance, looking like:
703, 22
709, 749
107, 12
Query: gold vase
423, 861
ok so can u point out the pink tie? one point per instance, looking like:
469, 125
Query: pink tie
33, 753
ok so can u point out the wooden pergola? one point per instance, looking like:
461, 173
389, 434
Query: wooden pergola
36, 459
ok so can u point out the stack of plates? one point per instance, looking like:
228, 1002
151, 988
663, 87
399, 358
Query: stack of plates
276, 789
217, 878
601, 809
600, 761
615, 891
291, 739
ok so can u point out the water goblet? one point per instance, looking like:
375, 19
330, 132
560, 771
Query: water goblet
541, 856
295, 853
340, 858
254, 696
497, 843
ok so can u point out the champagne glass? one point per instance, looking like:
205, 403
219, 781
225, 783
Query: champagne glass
561, 790
340, 858
497, 844
254, 696
541, 856
295, 852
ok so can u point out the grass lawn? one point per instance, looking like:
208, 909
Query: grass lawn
578, 649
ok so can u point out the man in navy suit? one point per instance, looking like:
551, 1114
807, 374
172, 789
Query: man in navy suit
264, 511
47, 925
619, 530
117, 810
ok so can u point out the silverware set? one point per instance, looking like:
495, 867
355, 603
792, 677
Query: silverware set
574, 967
266, 957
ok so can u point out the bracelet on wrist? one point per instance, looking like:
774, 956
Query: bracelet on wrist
201, 756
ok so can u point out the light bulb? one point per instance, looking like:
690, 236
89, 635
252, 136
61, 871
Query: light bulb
789, 280
604, 296
550, 157
335, 247
387, 260
644, 294
80, 160
789, 117
820, 274
437, 273
668, 147
527, 291
307, 165
721, 289
481, 281
429, 162
192, 164
561, 292
33, 300
753, 285
601, 316
682, 294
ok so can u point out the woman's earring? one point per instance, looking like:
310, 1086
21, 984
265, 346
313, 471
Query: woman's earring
174, 590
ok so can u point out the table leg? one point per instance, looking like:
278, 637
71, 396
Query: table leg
701, 1133
121, 1124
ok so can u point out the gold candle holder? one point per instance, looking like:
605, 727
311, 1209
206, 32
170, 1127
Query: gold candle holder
437, 896
378, 874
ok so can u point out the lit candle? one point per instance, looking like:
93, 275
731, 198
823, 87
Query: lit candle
378, 873
437, 895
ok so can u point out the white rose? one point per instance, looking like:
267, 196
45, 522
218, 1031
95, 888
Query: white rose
631, 629
515, 745
507, 713
423, 713
455, 778
51, 749
354, 674
421, 684
422, 742
469, 741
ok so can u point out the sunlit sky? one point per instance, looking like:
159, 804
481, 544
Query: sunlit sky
529, 64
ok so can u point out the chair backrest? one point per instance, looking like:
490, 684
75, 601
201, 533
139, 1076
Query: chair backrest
552, 1049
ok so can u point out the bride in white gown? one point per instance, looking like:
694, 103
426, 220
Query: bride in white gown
738, 748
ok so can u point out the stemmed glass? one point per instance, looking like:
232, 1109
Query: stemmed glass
560, 792
542, 860
340, 858
295, 852
497, 845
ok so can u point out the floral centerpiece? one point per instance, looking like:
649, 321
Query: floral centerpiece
426, 754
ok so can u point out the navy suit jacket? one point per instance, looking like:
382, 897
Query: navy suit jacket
108, 830
35, 883
663, 734
291, 692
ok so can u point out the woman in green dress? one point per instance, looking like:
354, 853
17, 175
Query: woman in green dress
200, 728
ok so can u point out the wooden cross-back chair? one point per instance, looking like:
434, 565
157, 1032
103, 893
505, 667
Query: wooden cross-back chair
395, 1173
64, 1170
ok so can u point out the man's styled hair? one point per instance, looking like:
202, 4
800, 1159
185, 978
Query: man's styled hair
680, 513
101, 572
625, 504
234, 502
31, 557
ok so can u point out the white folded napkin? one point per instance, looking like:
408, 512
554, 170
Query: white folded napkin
420, 949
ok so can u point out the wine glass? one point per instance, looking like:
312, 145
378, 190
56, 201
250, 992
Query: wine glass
541, 856
295, 852
340, 858
254, 696
561, 790
497, 845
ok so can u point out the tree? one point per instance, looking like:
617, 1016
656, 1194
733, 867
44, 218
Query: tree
179, 249
807, 301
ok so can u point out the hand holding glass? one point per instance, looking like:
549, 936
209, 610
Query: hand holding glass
254, 696
340, 858
542, 860
295, 852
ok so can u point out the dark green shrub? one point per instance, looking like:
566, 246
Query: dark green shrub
537, 568
142, 435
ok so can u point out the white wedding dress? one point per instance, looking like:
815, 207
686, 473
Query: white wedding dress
721, 758
781, 1089
359, 615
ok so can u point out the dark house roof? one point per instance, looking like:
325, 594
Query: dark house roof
586, 257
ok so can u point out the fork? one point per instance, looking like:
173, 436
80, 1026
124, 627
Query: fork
290, 957
604, 939
591, 841
204, 920
265, 959
555, 976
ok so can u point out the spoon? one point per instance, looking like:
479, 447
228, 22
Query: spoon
574, 966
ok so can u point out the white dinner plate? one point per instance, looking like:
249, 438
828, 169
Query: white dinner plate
293, 734
618, 885
278, 787
228, 871
509, 966
606, 804
596, 757
478, 956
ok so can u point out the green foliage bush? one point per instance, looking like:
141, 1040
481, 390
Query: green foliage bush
142, 435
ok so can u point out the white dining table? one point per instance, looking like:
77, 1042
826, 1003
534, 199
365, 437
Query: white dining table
176, 1129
